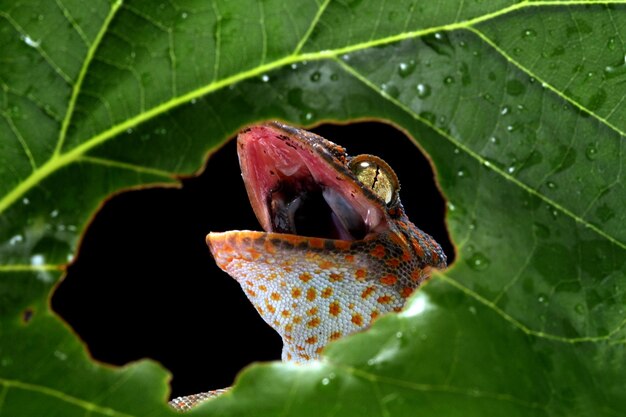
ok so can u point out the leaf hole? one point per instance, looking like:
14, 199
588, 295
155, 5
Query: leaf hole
145, 285
27, 315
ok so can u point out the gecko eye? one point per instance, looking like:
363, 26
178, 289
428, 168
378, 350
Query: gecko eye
376, 175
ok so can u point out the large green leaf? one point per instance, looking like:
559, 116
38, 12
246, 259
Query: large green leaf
519, 105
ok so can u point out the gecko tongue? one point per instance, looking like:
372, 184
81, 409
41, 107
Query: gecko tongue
294, 187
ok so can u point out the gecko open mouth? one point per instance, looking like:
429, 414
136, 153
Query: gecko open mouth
298, 188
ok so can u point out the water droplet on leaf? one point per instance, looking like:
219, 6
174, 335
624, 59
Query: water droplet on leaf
423, 90
478, 262
406, 68
591, 152
529, 33
390, 90
30, 41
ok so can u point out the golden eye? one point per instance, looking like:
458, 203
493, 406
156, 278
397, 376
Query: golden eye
376, 175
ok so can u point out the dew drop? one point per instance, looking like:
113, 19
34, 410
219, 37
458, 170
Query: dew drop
37, 260
60, 355
448, 80
529, 33
406, 68
14, 112
54, 213
591, 152
423, 90
478, 262
611, 43
551, 185
315, 77
461, 173
30, 41
25, 201
294, 66
390, 90
472, 309
16, 239
399, 335
325, 381
488, 97
265, 78
494, 140
505, 110
334, 77
451, 206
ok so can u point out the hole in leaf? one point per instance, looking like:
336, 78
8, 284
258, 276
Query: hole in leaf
27, 315
144, 283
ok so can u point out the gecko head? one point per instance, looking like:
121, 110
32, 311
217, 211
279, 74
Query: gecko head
300, 183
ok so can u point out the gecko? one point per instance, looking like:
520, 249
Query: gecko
337, 249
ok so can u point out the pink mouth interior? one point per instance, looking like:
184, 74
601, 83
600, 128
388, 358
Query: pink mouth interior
293, 189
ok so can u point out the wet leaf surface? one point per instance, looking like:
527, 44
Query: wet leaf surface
519, 105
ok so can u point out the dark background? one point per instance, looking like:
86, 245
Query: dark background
145, 285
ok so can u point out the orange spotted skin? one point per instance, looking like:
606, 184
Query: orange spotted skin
313, 290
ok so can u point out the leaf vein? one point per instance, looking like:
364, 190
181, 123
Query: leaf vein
51, 392
311, 28
125, 165
81, 76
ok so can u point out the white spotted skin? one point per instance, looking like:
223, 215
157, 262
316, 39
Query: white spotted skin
310, 291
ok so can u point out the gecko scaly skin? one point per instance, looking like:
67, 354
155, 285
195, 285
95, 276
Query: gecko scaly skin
337, 250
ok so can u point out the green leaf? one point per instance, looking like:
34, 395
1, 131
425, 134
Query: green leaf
519, 105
